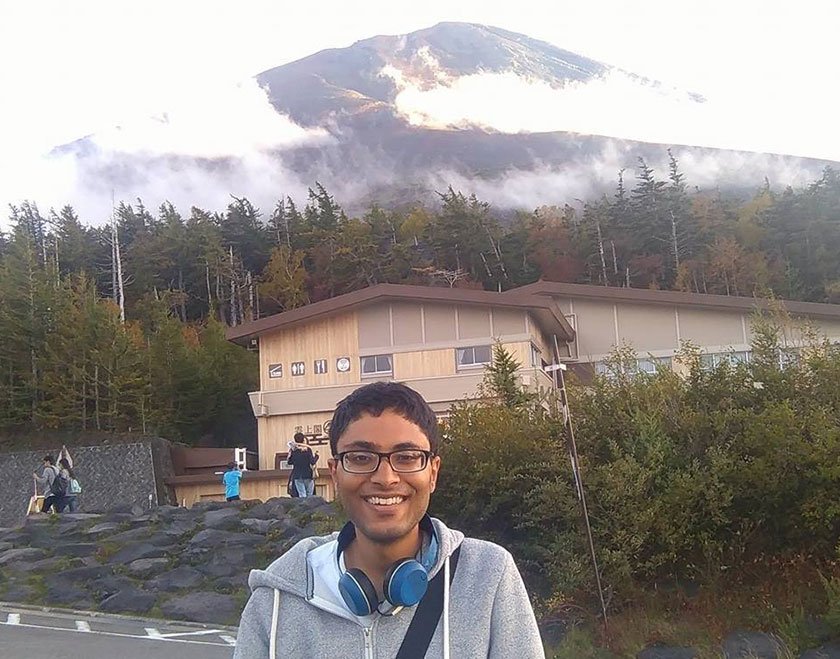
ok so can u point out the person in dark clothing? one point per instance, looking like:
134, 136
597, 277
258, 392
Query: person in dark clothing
51, 500
301, 458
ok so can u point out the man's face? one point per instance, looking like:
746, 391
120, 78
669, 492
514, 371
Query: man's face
385, 505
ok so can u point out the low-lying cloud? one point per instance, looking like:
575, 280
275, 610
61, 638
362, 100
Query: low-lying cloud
620, 105
198, 152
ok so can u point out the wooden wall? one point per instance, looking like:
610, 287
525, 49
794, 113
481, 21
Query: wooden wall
262, 489
326, 339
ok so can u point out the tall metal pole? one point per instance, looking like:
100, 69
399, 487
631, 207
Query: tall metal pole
560, 385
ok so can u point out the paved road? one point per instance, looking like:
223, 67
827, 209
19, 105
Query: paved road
33, 634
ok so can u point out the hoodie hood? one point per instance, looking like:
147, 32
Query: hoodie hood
292, 573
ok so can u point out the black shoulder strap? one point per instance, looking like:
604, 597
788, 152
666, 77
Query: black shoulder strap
426, 617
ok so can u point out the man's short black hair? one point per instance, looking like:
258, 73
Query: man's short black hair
50, 459
374, 399
231, 465
300, 438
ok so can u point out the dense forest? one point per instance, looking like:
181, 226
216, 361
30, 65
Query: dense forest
121, 326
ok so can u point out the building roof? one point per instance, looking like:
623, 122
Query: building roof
671, 298
546, 311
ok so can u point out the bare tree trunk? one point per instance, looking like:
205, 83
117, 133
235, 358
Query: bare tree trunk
252, 301
183, 305
116, 269
84, 400
674, 242
209, 292
233, 315
601, 252
96, 396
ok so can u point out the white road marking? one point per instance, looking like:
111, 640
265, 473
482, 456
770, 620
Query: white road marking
13, 619
82, 626
230, 640
116, 634
203, 631
154, 633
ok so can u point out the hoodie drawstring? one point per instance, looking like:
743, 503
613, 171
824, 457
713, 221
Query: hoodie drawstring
272, 643
446, 608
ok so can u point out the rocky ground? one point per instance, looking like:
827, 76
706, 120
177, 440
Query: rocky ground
193, 564
177, 563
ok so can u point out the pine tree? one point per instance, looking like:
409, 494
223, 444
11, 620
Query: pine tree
501, 379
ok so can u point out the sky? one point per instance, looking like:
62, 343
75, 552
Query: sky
114, 69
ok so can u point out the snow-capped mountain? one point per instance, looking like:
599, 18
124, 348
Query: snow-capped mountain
518, 121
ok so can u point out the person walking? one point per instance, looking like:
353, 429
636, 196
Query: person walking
46, 479
394, 582
73, 487
231, 480
302, 460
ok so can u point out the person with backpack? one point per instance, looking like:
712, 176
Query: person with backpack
73, 486
55, 486
302, 459
394, 582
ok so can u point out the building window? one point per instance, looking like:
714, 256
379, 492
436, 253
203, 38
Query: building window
320, 366
474, 356
650, 364
645, 365
298, 368
710, 361
536, 357
377, 365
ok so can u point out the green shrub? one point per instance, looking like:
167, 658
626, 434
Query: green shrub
687, 477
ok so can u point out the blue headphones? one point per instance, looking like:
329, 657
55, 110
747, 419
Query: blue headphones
405, 581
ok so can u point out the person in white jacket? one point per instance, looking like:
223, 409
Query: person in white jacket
357, 593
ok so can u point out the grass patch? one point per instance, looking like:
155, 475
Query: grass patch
105, 550
39, 589
579, 644
787, 598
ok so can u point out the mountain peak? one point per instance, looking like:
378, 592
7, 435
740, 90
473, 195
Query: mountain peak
341, 82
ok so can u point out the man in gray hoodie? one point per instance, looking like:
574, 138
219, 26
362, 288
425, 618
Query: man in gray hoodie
353, 594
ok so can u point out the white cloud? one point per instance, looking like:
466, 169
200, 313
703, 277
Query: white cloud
155, 158
620, 105
234, 121
584, 181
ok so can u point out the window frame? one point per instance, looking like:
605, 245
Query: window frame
377, 372
473, 365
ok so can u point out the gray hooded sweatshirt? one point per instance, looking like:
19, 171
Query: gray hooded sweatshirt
295, 611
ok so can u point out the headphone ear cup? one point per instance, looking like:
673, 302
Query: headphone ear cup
405, 582
358, 593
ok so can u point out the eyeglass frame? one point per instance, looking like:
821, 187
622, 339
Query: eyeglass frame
427, 455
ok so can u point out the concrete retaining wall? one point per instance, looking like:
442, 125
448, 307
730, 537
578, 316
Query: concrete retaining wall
111, 476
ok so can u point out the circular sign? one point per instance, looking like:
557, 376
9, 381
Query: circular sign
342, 364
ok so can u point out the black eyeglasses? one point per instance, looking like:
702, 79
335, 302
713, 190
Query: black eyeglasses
404, 461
